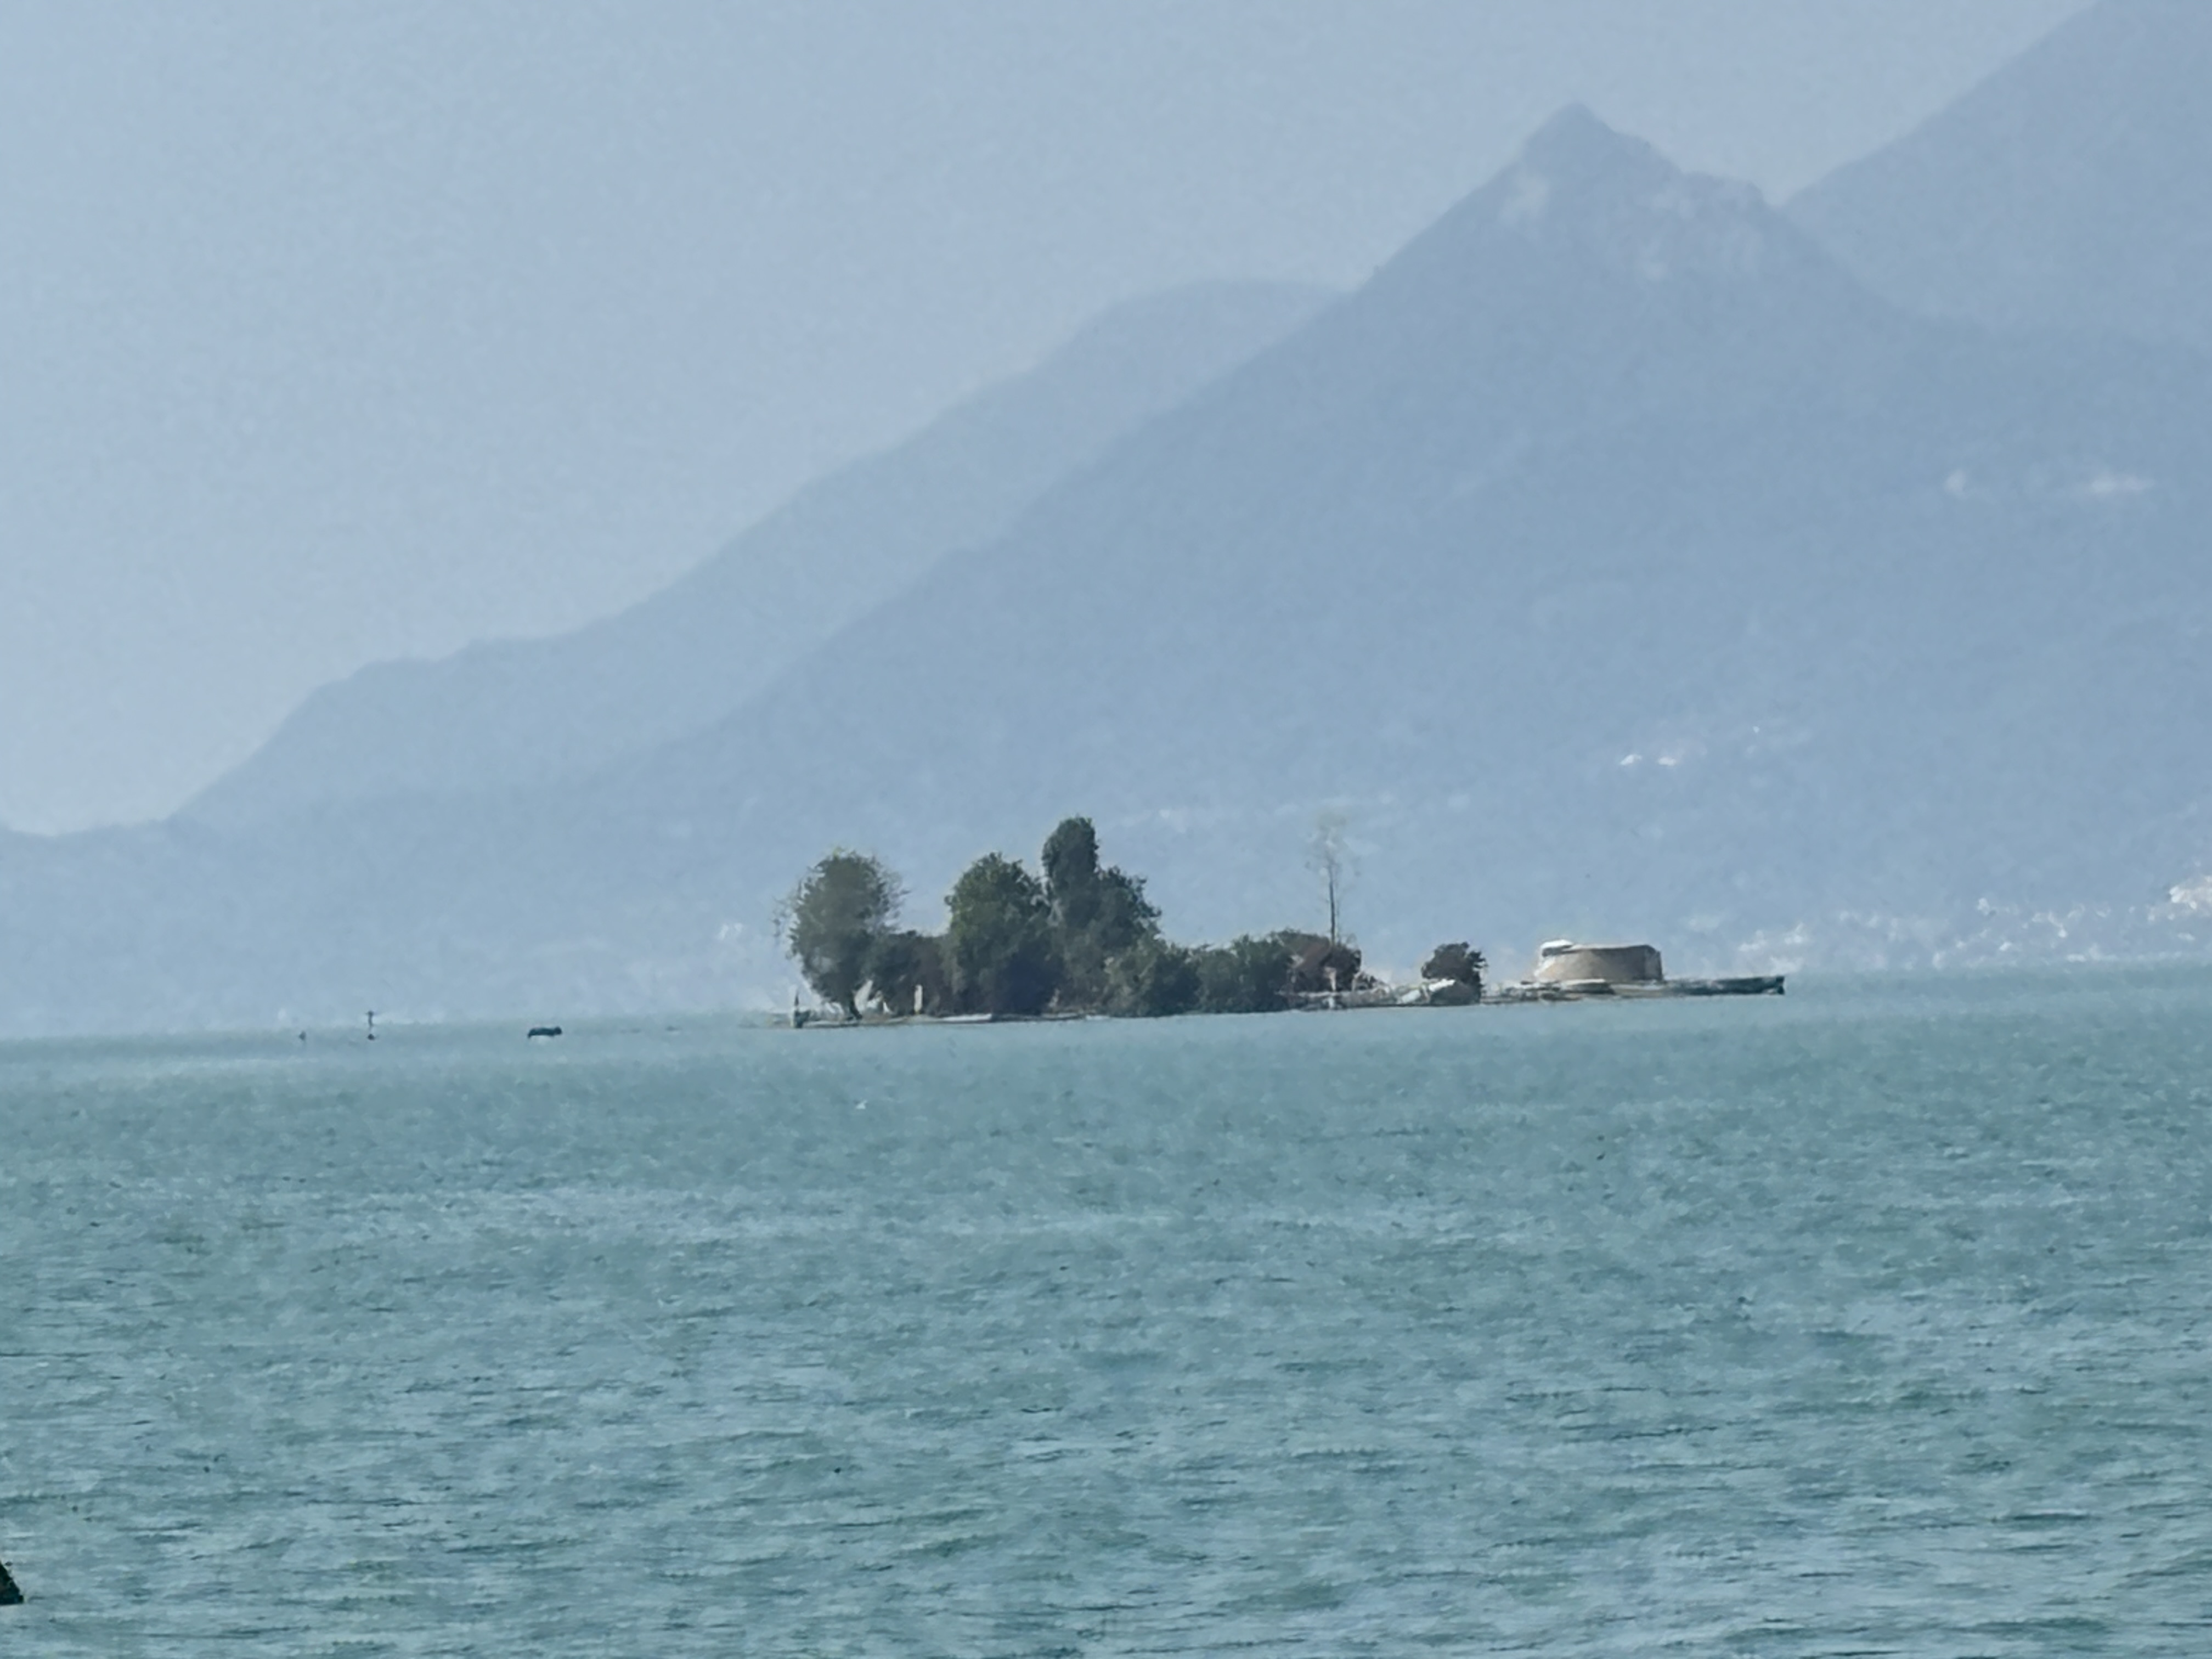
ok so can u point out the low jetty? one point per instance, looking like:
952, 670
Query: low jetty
1451, 994
1749, 984
1563, 972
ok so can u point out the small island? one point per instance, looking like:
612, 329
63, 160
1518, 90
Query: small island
1077, 938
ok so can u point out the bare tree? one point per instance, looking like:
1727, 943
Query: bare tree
1328, 854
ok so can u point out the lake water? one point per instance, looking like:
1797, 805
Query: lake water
1874, 1319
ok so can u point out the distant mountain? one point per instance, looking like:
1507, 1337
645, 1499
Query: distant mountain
2073, 188
530, 711
1616, 561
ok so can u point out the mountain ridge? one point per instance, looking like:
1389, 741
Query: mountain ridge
2072, 188
523, 712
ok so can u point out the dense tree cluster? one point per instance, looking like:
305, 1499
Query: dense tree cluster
1008, 957
1079, 937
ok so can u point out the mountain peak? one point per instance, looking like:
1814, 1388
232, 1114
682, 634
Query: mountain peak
1622, 198
1576, 142
1581, 191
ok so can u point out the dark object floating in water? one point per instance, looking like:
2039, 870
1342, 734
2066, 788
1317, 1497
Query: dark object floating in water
9, 1596
544, 1031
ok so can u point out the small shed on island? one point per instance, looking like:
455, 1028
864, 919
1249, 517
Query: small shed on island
1563, 962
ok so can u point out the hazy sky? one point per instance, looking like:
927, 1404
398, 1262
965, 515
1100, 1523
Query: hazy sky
332, 332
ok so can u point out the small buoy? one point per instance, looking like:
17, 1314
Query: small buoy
9, 1596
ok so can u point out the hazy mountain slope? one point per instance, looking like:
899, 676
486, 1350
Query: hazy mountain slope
2072, 188
1611, 463
1617, 561
526, 712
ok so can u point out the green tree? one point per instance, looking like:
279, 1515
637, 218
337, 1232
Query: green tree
832, 919
1098, 914
1004, 957
1124, 918
1247, 976
1153, 979
1319, 965
1456, 971
1070, 859
903, 962
1461, 962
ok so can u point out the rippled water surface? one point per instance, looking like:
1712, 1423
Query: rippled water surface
1871, 1320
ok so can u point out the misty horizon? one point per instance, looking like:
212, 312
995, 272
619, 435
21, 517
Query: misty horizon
228, 495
